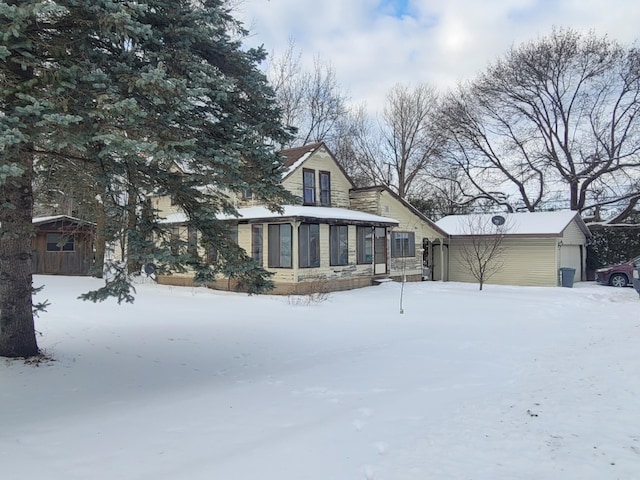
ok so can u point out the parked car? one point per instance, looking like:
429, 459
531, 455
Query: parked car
618, 275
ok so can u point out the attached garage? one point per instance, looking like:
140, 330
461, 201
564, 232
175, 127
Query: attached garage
534, 246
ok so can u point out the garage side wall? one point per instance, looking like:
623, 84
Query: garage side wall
572, 251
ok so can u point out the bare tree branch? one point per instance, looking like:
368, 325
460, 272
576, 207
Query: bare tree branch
558, 115
482, 246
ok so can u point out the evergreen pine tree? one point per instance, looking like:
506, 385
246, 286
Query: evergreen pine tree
128, 90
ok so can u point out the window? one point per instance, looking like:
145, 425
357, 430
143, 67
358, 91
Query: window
403, 244
256, 243
325, 189
174, 239
57, 242
247, 194
339, 244
280, 238
309, 187
364, 244
232, 233
213, 253
192, 241
309, 245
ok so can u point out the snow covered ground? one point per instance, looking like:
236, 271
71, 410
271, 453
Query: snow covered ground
508, 383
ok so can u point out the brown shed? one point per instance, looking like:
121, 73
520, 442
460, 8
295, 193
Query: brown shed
62, 245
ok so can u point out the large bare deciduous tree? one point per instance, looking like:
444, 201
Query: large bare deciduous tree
555, 122
311, 101
397, 148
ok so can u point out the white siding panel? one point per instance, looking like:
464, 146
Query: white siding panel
164, 206
569, 256
409, 222
572, 235
321, 161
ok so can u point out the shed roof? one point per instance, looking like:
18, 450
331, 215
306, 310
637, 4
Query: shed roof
55, 218
526, 223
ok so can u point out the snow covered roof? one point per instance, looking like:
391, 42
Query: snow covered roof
53, 218
528, 223
294, 157
296, 211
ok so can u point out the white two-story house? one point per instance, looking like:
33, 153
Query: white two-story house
337, 238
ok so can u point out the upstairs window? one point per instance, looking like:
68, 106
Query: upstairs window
325, 189
309, 187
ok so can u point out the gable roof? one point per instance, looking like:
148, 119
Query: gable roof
406, 204
526, 223
295, 157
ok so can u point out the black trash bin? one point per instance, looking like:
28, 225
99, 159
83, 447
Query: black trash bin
566, 276
636, 279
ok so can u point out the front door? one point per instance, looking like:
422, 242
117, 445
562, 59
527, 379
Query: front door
380, 251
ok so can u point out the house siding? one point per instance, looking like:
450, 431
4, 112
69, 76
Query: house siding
366, 201
163, 205
572, 235
526, 262
571, 256
572, 251
321, 160
381, 202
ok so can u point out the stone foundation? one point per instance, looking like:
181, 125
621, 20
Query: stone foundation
302, 288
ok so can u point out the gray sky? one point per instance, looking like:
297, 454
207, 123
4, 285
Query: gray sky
374, 44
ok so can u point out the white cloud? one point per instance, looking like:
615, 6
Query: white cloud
437, 42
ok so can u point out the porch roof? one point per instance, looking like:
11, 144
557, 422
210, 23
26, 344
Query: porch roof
299, 212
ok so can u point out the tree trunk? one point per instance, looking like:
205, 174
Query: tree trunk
17, 329
100, 239
133, 266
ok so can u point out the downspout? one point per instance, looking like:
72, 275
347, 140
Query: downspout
442, 259
373, 253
